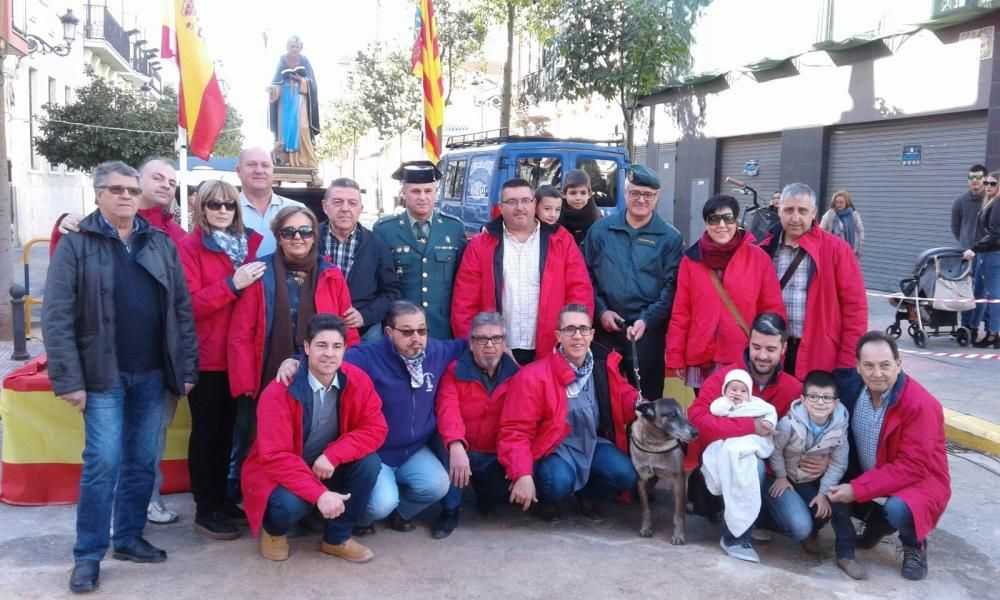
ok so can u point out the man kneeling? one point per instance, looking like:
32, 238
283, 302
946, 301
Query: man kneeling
315, 448
563, 430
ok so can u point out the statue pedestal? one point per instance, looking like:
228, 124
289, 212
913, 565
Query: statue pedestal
306, 175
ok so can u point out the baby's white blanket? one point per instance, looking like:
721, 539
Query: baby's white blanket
730, 470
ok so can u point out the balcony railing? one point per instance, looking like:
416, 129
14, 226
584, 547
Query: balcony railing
539, 86
100, 24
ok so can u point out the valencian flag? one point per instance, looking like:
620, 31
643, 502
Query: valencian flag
201, 108
426, 64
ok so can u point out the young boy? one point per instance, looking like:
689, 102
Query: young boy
816, 425
548, 204
579, 211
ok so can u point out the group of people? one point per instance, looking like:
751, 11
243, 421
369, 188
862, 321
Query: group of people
341, 376
976, 227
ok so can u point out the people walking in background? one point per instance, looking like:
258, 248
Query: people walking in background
843, 221
986, 254
964, 219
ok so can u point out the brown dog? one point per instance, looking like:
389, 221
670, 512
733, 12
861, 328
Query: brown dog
655, 443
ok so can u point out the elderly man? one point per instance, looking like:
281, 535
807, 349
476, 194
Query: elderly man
563, 432
897, 453
821, 285
362, 257
521, 269
426, 246
257, 198
633, 258
318, 451
469, 402
119, 333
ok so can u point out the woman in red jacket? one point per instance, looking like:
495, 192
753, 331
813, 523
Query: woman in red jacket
218, 264
720, 277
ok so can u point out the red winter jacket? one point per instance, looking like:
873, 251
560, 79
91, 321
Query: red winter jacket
479, 281
157, 217
702, 330
911, 462
276, 455
779, 393
533, 421
253, 318
837, 307
209, 274
465, 412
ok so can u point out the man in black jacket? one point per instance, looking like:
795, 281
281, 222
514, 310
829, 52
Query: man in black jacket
119, 332
362, 257
964, 218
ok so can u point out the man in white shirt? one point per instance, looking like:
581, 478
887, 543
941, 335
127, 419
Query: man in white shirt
259, 202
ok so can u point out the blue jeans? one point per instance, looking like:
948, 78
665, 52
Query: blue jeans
120, 428
895, 513
790, 515
488, 480
744, 538
971, 318
411, 487
356, 478
169, 410
611, 471
989, 267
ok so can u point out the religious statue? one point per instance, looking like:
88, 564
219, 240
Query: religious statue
294, 115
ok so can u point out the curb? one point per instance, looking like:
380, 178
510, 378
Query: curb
972, 432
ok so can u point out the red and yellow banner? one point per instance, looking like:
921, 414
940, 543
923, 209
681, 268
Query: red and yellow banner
426, 64
201, 107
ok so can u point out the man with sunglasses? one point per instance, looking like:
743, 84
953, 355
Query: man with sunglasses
472, 394
633, 257
964, 219
518, 267
563, 432
119, 334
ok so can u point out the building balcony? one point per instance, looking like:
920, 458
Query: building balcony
122, 50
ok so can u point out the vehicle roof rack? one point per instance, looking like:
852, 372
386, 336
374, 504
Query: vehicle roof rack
502, 135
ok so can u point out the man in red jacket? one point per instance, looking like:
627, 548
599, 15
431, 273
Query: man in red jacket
897, 452
821, 285
518, 268
563, 431
468, 405
317, 450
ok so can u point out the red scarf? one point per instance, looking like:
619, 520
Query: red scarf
716, 256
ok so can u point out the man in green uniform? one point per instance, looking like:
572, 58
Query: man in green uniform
426, 246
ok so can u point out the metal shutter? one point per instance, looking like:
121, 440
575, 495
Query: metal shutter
640, 156
766, 150
905, 209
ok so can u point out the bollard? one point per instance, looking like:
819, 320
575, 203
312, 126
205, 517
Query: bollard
17, 294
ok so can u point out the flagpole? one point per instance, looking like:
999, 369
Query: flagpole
182, 173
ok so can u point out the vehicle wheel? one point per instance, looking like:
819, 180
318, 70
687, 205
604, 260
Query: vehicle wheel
963, 336
894, 331
920, 339
912, 330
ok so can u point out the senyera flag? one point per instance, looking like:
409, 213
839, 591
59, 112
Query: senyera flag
426, 64
201, 107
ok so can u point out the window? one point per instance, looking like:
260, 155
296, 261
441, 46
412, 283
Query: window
454, 182
542, 170
67, 95
603, 180
480, 177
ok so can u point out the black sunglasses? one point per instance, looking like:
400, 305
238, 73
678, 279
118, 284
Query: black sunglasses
220, 204
727, 218
991, 183
288, 233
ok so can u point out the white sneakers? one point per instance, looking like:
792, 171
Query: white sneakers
740, 551
157, 513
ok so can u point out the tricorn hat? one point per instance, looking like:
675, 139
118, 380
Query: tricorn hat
417, 171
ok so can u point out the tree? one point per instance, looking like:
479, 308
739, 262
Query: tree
344, 124
387, 90
230, 141
461, 35
620, 50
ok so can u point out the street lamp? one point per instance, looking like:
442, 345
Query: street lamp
69, 23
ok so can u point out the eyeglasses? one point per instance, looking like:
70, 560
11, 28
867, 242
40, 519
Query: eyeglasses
220, 204
636, 194
990, 183
572, 330
975, 177
407, 333
288, 233
119, 190
727, 218
483, 340
817, 399
520, 202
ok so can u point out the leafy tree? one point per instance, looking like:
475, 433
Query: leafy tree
345, 123
620, 50
461, 35
230, 141
387, 90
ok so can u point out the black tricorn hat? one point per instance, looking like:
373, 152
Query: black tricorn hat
417, 171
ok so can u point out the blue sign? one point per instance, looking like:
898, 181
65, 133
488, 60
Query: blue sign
751, 168
911, 155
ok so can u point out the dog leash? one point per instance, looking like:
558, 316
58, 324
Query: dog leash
635, 367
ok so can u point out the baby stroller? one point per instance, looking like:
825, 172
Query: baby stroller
944, 278
756, 219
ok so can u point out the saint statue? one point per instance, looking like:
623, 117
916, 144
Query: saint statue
294, 115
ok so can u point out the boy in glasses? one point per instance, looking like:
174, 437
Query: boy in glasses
796, 500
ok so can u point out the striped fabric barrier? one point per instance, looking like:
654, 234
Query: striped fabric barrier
43, 442
970, 355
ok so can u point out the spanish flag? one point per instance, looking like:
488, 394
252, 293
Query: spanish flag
426, 64
201, 108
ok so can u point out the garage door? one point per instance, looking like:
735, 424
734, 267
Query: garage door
737, 152
906, 209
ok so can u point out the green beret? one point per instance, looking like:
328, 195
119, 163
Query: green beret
642, 175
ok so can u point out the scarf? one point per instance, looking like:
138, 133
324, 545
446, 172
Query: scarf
234, 247
282, 345
716, 256
578, 221
415, 367
846, 228
581, 374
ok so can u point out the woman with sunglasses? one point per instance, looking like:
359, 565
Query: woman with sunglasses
843, 221
271, 318
218, 258
723, 282
986, 253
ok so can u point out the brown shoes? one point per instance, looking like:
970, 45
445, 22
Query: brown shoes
273, 547
350, 551
398, 523
811, 545
853, 568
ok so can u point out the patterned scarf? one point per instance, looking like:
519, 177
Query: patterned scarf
581, 374
234, 247
415, 366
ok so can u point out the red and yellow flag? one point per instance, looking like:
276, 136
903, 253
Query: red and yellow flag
201, 107
426, 64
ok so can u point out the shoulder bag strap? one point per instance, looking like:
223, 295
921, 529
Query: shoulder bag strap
799, 257
728, 302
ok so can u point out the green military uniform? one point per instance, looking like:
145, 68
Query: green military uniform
426, 270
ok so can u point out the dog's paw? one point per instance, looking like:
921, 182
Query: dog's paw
646, 532
678, 539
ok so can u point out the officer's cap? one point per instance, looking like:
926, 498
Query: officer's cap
417, 171
642, 175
